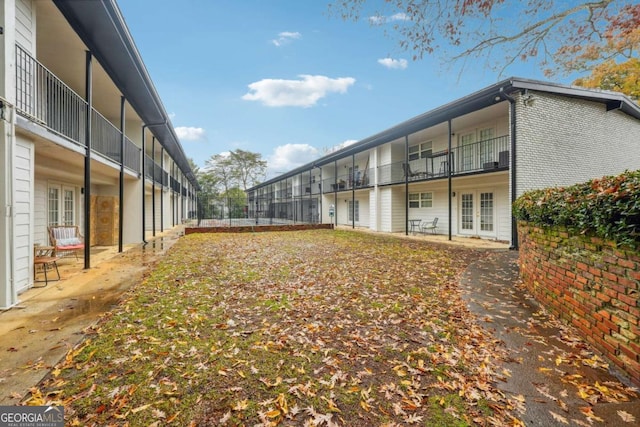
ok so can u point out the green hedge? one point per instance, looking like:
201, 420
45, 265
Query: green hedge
607, 207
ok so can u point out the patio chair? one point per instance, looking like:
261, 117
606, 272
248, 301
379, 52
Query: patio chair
409, 173
66, 239
432, 225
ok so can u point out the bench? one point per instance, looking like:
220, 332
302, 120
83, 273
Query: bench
66, 239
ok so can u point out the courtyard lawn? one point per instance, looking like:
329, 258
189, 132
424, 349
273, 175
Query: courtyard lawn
317, 328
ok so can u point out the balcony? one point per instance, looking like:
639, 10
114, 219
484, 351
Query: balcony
348, 182
483, 156
155, 172
43, 98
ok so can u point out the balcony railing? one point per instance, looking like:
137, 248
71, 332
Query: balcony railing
357, 180
47, 100
155, 172
484, 156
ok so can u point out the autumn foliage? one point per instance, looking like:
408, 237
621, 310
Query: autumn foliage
317, 328
607, 207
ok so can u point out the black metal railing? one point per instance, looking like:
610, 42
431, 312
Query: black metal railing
105, 137
44, 98
483, 156
155, 172
357, 180
132, 155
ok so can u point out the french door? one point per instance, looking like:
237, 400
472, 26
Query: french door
477, 213
61, 205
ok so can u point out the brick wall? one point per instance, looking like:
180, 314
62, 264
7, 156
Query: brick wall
589, 283
563, 141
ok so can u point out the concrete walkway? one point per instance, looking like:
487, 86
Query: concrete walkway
38, 332
557, 376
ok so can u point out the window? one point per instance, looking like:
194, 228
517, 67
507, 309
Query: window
421, 200
420, 151
354, 210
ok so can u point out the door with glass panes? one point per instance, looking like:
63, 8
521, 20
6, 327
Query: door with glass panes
61, 205
477, 213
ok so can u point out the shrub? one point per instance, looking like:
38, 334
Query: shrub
607, 207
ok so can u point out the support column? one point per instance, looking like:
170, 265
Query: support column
162, 190
406, 185
121, 191
153, 185
449, 178
87, 163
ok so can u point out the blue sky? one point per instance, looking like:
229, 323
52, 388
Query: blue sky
283, 78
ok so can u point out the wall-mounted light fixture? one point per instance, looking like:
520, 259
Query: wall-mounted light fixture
527, 98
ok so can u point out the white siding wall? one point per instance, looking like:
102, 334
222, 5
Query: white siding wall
23, 242
440, 208
563, 141
40, 235
26, 25
397, 209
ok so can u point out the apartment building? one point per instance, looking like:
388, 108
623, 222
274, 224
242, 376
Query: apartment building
84, 137
463, 163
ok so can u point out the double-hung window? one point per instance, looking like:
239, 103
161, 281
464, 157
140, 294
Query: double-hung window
421, 200
420, 151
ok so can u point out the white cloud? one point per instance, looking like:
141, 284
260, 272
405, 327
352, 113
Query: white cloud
290, 156
399, 64
286, 37
190, 133
344, 144
296, 93
381, 19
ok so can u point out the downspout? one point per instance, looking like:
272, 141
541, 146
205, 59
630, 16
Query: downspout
121, 186
10, 297
144, 202
512, 169
449, 179
87, 162
406, 185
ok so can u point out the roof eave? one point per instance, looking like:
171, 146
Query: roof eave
103, 30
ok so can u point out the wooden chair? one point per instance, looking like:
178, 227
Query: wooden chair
44, 257
66, 239
433, 226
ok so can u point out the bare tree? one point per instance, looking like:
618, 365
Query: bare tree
560, 35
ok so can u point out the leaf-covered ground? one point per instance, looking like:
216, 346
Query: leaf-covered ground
316, 328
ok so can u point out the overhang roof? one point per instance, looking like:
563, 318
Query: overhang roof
102, 28
468, 104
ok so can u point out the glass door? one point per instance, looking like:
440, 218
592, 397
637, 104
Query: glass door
477, 213
61, 205
467, 214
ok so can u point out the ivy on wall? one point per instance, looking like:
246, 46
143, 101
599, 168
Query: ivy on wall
607, 207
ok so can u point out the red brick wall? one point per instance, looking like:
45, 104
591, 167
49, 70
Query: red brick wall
589, 283
257, 228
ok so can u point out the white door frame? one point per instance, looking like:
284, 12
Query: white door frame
477, 213
67, 213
